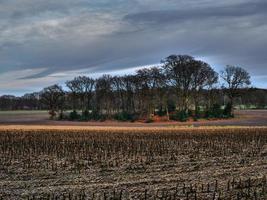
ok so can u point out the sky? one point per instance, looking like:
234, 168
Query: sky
43, 42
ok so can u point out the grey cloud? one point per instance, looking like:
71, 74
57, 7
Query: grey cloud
228, 33
228, 11
102, 36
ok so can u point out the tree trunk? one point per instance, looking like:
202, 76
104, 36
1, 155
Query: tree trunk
167, 113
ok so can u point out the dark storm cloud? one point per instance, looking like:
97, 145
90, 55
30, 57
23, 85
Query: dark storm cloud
48, 37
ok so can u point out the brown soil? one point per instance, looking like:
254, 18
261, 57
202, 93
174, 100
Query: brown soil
67, 162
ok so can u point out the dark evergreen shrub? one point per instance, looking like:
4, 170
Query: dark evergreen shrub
181, 116
124, 116
227, 112
74, 115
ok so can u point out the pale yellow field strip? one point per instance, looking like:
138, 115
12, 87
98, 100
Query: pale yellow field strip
112, 128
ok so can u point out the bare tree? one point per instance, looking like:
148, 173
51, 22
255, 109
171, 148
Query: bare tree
73, 86
104, 95
53, 98
146, 87
160, 89
130, 85
31, 101
118, 88
84, 86
234, 78
180, 69
203, 76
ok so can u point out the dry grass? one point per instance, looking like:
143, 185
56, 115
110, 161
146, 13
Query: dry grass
243, 118
41, 162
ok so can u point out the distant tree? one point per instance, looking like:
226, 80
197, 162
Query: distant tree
188, 76
73, 86
146, 89
160, 89
30, 101
119, 90
235, 78
203, 77
84, 87
179, 71
130, 86
8, 102
104, 95
53, 97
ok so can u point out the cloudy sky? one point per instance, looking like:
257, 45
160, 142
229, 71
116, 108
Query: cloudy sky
43, 42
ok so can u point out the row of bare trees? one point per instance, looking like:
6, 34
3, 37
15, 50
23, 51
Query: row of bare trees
29, 101
181, 84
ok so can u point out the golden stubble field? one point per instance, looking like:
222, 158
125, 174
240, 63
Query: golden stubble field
64, 162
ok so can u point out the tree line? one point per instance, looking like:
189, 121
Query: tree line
182, 87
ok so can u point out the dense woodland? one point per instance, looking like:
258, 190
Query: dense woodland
179, 89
